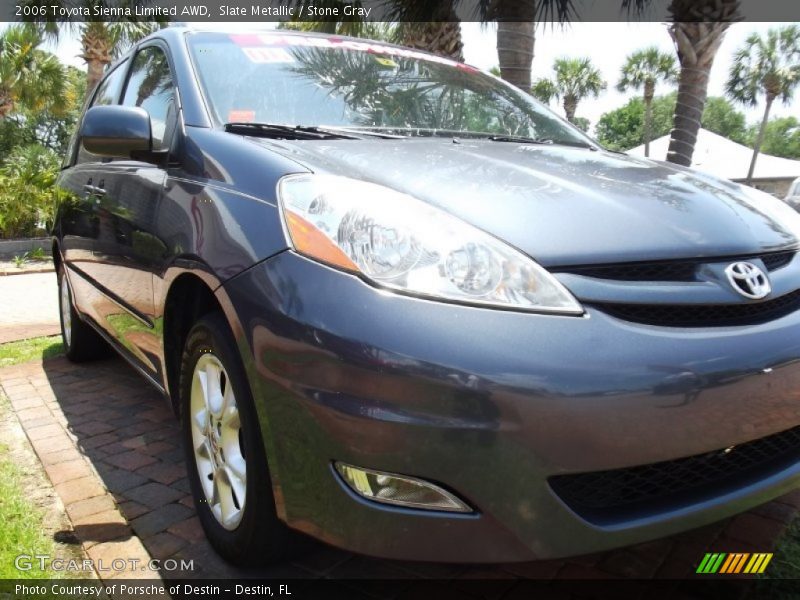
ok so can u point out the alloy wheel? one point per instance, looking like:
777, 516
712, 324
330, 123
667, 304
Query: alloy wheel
217, 441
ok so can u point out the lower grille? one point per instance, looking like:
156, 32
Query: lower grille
704, 315
621, 494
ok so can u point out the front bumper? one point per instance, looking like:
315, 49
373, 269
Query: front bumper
490, 404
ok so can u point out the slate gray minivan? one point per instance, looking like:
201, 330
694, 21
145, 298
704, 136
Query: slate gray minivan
403, 308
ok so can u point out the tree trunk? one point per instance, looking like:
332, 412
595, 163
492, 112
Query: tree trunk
697, 30
570, 106
692, 92
515, 39
649, 92
648, 119
94, 73
697, 45
760, 139
96, 47
515, 44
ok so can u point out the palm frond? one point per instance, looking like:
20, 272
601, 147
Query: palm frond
767, 65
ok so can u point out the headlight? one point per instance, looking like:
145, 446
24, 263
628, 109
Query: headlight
403, 244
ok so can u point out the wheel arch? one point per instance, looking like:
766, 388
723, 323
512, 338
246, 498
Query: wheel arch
189, 297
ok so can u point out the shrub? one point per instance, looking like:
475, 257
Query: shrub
27, 191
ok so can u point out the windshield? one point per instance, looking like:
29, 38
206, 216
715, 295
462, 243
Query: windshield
339, 82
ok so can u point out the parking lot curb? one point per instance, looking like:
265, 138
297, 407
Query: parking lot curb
27, 331
15, 271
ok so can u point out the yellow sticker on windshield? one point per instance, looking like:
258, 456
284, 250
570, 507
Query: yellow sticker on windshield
386, 62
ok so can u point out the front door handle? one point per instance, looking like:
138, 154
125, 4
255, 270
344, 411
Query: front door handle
93, 190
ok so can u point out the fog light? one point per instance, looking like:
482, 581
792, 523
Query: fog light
400, 490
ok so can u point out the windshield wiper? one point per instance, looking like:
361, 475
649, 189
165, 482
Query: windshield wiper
290, 132
362, 131
518, 139
308, 132
571, 144
543, 141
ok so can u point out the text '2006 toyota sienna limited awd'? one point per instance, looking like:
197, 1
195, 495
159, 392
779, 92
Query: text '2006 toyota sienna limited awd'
401, 307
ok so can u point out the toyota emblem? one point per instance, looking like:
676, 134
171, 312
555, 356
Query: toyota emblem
749, 280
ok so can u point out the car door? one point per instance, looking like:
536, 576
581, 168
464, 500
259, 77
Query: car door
82, 205
133, 193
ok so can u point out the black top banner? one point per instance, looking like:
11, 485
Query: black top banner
543, 11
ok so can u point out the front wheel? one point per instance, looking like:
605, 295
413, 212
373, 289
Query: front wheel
227, 466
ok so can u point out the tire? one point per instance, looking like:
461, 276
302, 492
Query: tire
81, 342
230, 461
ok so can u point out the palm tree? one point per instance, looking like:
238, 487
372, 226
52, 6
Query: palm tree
575, 79
101, 42
697, 30
769, 66
30, 78
644, 69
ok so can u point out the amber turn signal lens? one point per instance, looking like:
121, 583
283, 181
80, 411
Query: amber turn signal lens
310, 241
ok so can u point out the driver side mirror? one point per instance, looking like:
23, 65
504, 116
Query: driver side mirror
117, 131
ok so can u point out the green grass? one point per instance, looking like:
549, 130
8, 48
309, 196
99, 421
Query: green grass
21, 522
21, 529
778, 582
14, 353
785, 563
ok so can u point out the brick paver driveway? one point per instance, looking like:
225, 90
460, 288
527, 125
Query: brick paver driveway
132, 439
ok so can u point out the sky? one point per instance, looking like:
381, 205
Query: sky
607, 44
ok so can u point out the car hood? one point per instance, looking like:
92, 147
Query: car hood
564, 205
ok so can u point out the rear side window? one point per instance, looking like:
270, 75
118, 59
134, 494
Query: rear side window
151, 87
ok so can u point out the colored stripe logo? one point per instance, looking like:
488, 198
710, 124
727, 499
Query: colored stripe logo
734, 562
